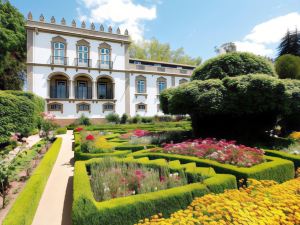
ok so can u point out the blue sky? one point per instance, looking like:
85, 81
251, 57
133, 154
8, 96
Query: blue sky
196, 25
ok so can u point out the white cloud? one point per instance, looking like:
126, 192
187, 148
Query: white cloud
267, 33
123, 13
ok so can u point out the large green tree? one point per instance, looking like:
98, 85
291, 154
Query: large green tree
290, 44
13, 47
154, 50
288, 66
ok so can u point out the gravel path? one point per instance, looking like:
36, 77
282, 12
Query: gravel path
56, 202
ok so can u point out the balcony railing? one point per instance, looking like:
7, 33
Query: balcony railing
83, 93
59, 60
105, 64
83, 62
160, 69
59, 92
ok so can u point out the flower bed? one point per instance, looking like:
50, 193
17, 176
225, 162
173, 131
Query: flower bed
130, 209
273, 168
263, 202
221, 151
111, 179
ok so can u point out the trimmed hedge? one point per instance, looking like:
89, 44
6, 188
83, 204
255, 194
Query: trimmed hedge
24, 208
19, 113
276, 169
133, 148
284, 155
129, 210
61, 130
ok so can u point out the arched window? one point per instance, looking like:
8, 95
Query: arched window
182, 81
83, 107
83, 53
105, 88
161, 84
108, 107
141, 84
59, 51
141, 107
55, 106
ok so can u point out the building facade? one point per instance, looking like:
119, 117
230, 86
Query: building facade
80, 70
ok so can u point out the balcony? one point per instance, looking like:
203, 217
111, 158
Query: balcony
166, 70
105, 64
83, 92
59, 60
59, 92
83, 62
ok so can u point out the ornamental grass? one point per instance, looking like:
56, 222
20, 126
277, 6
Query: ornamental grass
262, 202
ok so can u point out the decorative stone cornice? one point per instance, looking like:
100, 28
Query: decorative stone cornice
83, 32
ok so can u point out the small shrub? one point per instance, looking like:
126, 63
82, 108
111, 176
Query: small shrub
61, 130
136, 119
83, 120
288, 66
147, 119
124, 118
112, 118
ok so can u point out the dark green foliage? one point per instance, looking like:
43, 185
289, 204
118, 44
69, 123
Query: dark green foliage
24, 208
129, 210
83, 120
136, 119
20, 112
13, 47
147, 119
245, 105
233, 64
288, 66
290, 44
112, 118
124, 118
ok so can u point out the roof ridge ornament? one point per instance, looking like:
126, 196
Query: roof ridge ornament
73, 23
42, 18
52, 19
29, 16
109, 29
63, 21
118, 30
83, 24
92, 26
101, 28
126, 32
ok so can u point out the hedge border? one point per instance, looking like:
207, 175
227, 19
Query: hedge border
277, 169
129, 210
284, 155
25, 206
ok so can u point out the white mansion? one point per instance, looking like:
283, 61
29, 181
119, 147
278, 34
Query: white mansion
88, 71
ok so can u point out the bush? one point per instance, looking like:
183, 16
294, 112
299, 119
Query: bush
124, 118
233, 64
147, 119
20, 112
288, 66
284, 155
83, 120
136, 119
112, 118
24, 208
276, 169
61, 130
129, 210
247, 105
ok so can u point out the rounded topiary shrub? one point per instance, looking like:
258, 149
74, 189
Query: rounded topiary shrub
233, 64
288, 66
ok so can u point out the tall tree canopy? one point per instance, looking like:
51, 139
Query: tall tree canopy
290, 44
154, 50
13, 47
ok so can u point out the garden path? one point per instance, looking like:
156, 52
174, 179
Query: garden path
56, 202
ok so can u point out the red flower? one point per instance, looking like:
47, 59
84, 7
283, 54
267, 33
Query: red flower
90, 137
78, 129
140, 133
